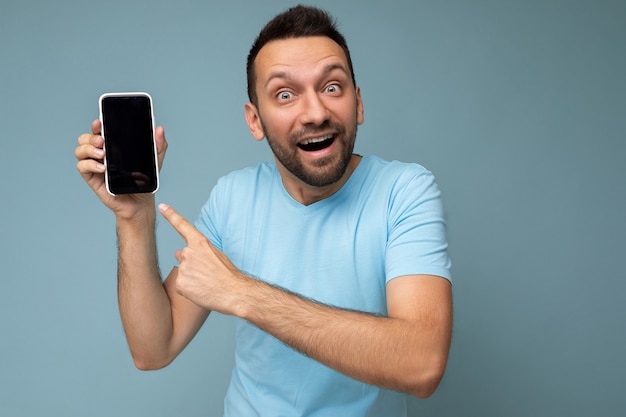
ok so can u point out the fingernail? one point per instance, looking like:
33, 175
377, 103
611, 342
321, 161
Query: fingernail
99, 152
163, 207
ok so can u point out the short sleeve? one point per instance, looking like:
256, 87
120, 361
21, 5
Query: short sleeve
416, 227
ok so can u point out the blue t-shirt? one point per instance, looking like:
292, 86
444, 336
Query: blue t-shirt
386, 221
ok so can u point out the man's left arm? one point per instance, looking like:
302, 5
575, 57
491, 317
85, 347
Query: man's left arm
405, 351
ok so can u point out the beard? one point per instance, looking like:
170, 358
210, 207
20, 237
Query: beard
324, 171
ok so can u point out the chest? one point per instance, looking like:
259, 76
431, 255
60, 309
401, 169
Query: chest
333, 254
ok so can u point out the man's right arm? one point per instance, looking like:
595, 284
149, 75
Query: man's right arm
158, 322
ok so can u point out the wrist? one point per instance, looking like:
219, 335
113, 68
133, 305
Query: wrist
258, 300
246, 297
142, 218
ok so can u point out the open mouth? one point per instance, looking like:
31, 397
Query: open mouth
317, 144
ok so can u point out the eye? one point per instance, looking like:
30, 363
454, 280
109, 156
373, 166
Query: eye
333, 89
284, 96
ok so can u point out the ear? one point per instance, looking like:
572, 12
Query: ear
360, 117
254, 121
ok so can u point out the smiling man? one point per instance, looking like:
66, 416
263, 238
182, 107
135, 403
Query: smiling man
307, 107
334, 264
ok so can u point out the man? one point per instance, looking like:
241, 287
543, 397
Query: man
334, 264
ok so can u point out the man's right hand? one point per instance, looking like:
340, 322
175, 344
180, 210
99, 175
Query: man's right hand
90, 155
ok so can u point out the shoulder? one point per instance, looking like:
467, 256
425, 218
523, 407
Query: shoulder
393, 169
231, 198
245, 182
399, 177
241, 177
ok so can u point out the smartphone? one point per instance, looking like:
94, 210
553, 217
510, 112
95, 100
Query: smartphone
130, 149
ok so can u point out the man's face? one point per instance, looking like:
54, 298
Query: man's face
308, 108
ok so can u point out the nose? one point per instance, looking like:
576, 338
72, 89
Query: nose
314, 111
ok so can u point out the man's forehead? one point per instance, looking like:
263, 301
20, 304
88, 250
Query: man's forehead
280, 55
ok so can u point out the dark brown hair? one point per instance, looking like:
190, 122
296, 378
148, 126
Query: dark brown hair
296, 22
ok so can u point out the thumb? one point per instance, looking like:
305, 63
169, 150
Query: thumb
161, 144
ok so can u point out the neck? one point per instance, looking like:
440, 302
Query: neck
307, 194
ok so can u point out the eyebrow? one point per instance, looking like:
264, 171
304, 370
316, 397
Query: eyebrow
285, 75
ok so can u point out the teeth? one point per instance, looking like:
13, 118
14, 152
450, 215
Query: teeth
316, 140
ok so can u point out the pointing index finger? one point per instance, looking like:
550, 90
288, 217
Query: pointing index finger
182, 226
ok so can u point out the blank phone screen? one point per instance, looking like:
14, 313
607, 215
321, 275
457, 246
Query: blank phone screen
129, 143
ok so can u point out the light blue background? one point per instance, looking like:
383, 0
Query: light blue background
519, 108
